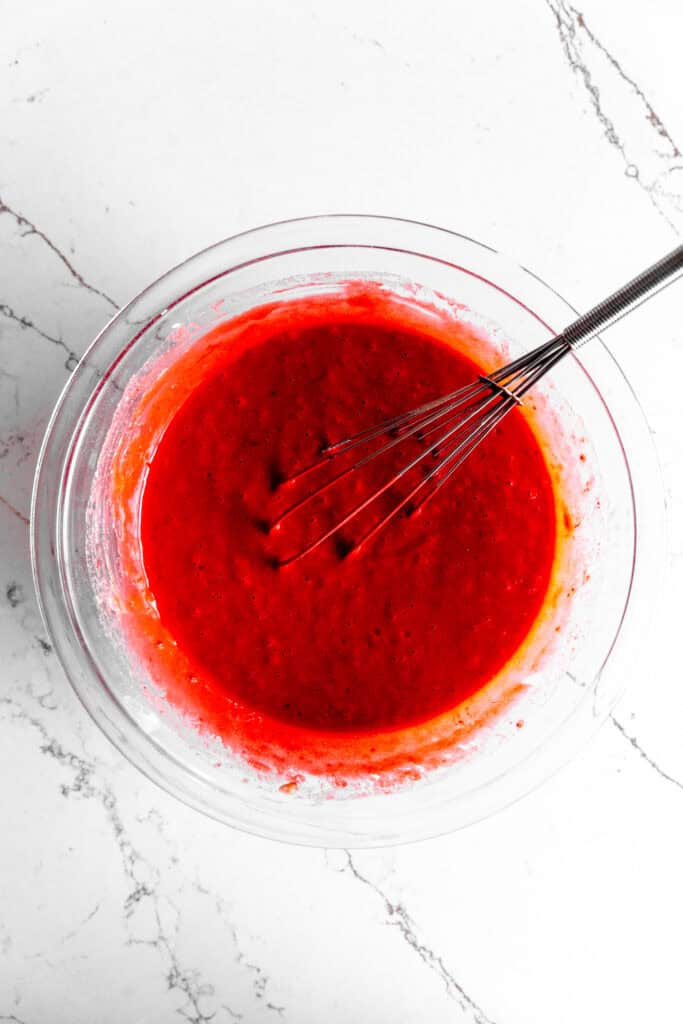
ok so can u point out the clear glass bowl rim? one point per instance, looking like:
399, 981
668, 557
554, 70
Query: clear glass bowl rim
48, 573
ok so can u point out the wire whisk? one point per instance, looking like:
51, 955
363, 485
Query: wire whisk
449, 428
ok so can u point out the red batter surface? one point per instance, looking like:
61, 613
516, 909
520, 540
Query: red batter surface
390, 636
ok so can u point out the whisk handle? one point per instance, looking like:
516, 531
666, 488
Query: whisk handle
623, 301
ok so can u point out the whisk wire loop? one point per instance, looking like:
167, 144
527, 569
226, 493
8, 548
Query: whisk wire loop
457, 423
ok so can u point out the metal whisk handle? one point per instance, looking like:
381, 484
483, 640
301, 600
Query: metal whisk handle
623, 301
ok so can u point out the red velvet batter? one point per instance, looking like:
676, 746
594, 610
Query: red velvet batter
392, 635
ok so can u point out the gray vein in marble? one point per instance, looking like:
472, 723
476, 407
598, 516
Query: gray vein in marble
14, 592
581, 48
28, 616
47, 700
24, 322
34, 97
645, 756
28, 228
142, 877
260, 979
18, 445
15, 511
399, 917
232, 1013
651, 115
79, 927
367, 40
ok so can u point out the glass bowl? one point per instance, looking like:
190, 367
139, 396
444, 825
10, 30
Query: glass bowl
586, 416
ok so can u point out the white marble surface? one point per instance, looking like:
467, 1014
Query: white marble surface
134, 134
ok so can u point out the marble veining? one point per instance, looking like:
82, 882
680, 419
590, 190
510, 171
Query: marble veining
117, 903
650, 157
